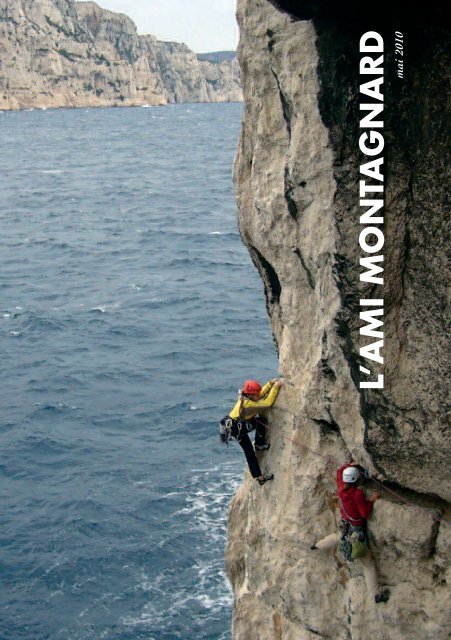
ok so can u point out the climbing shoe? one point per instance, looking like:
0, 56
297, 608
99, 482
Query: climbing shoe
313, 547
262, 447
266, 477
383, 596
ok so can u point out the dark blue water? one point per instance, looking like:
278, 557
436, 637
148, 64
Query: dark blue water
130, 314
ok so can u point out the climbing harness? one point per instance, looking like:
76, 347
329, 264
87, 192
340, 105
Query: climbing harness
354, 544
228, 424
354, 539
225, 430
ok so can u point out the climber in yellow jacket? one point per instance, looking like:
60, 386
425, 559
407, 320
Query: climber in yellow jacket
244, 417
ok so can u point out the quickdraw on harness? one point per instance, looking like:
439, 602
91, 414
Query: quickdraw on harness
354, 540
225, 430
227, 423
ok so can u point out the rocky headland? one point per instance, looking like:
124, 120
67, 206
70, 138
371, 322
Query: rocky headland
58, 53
297, 182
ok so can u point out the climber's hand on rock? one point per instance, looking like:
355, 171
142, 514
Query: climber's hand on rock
279, 383
374, 497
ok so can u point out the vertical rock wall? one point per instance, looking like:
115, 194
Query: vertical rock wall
296, 176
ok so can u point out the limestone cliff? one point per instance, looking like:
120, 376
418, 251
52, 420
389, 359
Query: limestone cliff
296, 175
57, 53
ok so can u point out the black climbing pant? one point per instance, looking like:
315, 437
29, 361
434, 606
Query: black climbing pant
240, 430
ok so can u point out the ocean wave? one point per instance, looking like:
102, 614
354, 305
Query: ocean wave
51, 171
105, 308
43, 446
33, 323
229, 234
59, 406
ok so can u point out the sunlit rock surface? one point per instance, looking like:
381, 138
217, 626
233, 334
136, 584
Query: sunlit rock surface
296, 176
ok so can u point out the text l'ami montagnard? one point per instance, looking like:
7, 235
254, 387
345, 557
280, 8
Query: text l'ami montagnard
371, 193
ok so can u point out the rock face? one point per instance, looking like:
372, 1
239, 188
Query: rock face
57, 53
296, 176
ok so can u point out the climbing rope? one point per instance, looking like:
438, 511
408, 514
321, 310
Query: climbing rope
435, 517
329, 459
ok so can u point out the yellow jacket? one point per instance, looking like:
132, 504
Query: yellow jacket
250, 408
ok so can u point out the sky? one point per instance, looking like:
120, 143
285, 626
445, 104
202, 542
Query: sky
204, 25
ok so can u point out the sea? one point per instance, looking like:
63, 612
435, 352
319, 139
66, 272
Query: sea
130, 314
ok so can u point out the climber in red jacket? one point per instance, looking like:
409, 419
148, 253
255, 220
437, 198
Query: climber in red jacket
355, 508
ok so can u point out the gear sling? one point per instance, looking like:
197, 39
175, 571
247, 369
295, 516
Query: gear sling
239, 429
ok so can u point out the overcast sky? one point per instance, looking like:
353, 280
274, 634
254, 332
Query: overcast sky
204, 25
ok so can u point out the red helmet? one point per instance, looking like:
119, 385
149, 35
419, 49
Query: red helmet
251, 386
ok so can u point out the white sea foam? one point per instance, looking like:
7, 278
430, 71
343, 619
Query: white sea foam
144, 483
103, 308
206, 501
216, 233
206, 601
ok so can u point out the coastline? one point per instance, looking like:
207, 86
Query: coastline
115, 105
61, 54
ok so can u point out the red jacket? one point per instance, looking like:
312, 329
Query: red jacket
355, 508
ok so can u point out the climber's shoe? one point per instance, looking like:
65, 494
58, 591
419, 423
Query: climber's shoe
383, 596
313, 547
262, 447
266, 477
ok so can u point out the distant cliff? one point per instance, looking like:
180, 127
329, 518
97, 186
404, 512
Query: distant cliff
57, 53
